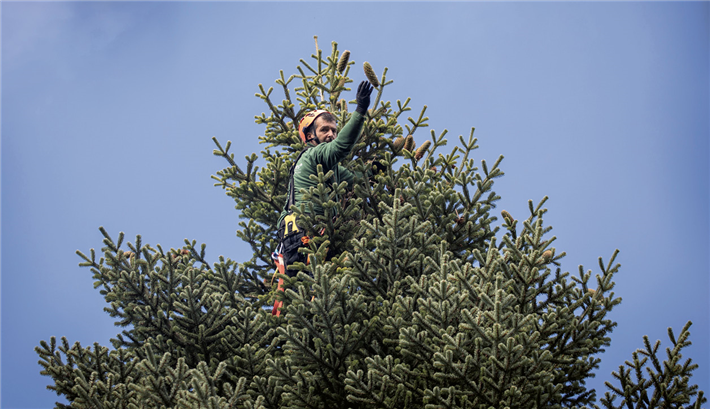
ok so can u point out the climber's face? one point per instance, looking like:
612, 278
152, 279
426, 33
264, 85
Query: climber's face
325, 131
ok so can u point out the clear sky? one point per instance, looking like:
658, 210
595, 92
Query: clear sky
108, 110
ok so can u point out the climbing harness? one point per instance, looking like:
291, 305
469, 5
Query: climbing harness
291, 238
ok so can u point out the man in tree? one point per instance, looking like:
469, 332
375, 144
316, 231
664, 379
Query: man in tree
325, 147
421, 315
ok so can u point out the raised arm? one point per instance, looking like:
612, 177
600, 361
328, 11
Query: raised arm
331, 153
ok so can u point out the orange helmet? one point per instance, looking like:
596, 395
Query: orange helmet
306, 121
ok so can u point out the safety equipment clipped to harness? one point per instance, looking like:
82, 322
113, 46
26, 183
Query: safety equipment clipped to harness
291, 237
280, 267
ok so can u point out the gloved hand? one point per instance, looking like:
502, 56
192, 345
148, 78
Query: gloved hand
363, 97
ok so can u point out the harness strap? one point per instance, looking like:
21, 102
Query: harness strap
291, 182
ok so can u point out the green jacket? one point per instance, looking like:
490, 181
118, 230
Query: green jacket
329, 155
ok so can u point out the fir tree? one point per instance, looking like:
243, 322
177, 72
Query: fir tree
426, 303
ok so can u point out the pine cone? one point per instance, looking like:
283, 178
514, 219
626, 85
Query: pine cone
422, 150
185, 252
343, 105
335, 93
128, 254
409, 143
398, 144
343, 61
338, 88
508, 218
546, 256
370, 74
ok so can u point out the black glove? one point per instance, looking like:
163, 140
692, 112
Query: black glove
363, 97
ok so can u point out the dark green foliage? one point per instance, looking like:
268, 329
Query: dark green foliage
667, 385
424, 304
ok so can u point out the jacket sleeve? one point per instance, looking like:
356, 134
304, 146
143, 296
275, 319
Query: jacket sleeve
347, 175
331, 153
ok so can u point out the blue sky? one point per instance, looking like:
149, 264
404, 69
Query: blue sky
108, 109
